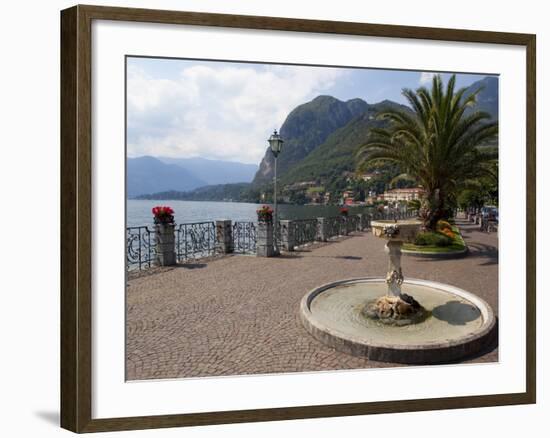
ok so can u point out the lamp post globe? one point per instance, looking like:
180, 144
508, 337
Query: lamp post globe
276, 144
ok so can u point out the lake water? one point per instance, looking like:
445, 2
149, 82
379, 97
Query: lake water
138, 212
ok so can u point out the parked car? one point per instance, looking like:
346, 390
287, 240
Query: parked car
490, 213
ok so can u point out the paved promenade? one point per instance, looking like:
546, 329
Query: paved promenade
239, 314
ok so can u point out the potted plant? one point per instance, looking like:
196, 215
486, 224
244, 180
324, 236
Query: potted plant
163, 217
265, 214
265, 246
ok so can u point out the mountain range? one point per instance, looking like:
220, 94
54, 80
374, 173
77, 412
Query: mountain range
305, 128
159, 174
320, 136
336, 155
215, 171
487, 98
320, 140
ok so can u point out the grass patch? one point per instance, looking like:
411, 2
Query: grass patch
435, 244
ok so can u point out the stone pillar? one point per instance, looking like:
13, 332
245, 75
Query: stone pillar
394, 277
264, 242
359, 222
224, 236
165, 244
344, 227
288, 240
322, 229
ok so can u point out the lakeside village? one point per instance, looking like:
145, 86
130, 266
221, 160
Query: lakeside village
355, 195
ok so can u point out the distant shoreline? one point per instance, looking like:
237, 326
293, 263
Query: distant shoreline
248, 202
194, 200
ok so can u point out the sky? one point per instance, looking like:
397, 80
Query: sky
227, 110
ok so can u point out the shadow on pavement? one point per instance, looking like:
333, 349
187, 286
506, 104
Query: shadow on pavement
297, 255
483, 251
191, 265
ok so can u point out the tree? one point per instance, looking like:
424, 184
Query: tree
471, 199
476, 194
437, 143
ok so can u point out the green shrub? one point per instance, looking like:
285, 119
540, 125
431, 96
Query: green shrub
429, 238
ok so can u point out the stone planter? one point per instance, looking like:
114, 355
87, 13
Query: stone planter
361, 221
165, 244
288, 241
437, 255
265, 243
344, 231
224, 236
322, 231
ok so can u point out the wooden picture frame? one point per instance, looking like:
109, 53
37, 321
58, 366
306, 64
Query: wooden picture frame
76, 217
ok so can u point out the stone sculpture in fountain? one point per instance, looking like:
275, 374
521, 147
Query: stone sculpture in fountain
395, 307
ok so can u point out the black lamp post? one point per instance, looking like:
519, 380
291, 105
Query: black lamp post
276, 144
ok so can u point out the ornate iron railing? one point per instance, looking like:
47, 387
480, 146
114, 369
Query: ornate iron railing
365, 221
304, 231
381, 215
334, 226
202, 239
195, 240
140, 247
244, 237
352, 223
393, 215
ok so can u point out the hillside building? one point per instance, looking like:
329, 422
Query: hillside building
403, 194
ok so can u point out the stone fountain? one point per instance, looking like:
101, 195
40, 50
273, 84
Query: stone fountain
395, 307
398, 320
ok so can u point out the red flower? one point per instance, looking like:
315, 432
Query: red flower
163, 214
265, 213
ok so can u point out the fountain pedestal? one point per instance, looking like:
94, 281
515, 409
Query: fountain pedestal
394, 277
395, 307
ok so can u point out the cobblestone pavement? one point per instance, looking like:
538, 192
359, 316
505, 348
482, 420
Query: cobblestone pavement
239, 314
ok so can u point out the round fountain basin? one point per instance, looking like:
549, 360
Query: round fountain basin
407, 229
459, 324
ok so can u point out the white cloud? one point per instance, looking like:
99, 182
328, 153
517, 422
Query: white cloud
224, 111
426, 77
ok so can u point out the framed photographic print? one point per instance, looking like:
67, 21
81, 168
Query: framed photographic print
269, 218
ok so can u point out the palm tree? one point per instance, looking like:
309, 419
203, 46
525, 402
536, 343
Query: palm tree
437, 143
